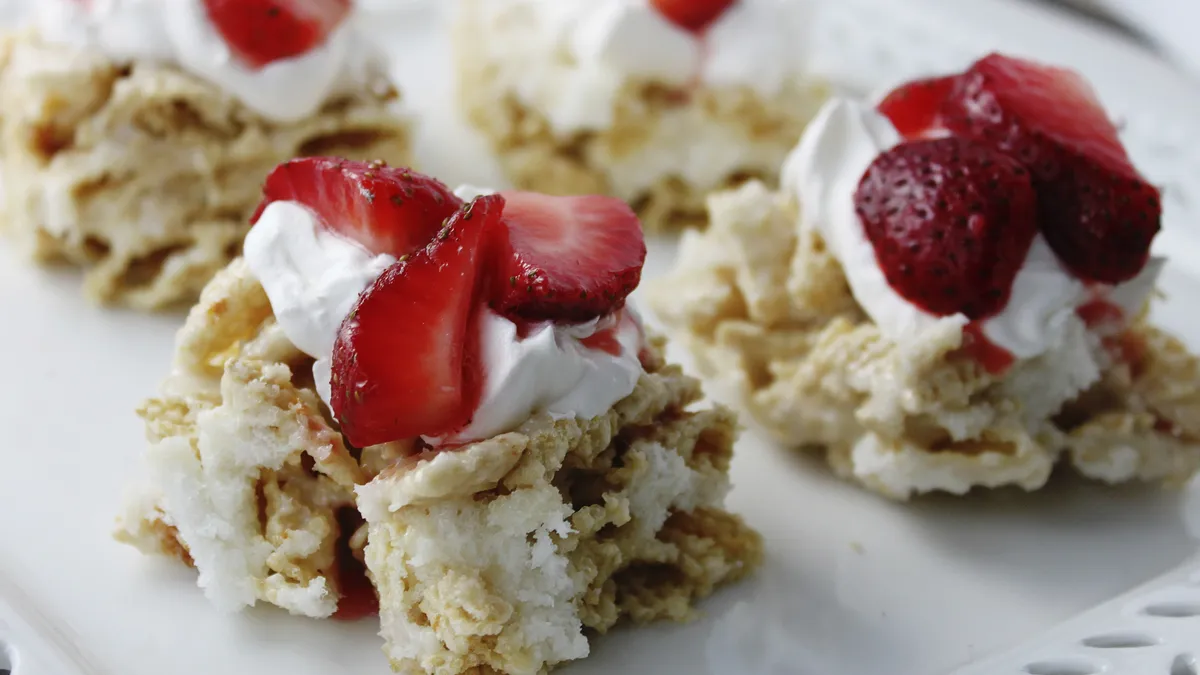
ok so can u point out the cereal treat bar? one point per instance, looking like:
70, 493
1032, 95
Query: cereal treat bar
497, 557
248, 479
146, 174
766, 309
493, 557
630, 100
950, 289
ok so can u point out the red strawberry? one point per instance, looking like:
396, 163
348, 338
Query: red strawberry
1096, 211
395, 211
566, 258
262, 31
915, 108
693, 15
406, 360
951, 221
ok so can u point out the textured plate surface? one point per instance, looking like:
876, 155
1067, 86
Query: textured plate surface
852, 584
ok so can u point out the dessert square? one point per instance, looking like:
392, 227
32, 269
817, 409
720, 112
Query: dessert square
783, 302
614, 97
766, 311
482, 551
146, 174
495, 555
499, 556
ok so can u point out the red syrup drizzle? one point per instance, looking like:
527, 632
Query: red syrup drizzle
358, 599
994, 358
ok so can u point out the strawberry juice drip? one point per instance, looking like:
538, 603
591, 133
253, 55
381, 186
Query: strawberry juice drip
603, 340
1099, 313
358, 599
607, 337
1108, 320
994, 358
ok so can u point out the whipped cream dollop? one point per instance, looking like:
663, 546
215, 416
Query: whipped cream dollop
551, 370
823, 173
179, 32
759, 44
313, 278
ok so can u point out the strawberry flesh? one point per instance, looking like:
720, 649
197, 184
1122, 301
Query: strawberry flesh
951, 221
915, 108
568, 259
386, 210
260, 32
692, 15
407, 362
1095, 210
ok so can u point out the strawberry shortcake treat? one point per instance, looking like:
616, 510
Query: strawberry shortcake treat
453, 397
657, 102
135, 134
949, 290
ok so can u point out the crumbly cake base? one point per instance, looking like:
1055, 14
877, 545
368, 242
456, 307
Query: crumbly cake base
766, 311
492, 558
649, 120
554, 528
146, 175
246, 474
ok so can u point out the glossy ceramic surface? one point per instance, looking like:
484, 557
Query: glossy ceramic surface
852, 585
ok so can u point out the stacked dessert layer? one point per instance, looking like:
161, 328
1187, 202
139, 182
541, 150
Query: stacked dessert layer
922, 309
506, 521
765, 308
652, 102
134, 140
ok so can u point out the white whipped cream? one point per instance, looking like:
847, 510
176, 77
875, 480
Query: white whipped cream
313, 278
550, 371
760, 44
823, 173
179, 32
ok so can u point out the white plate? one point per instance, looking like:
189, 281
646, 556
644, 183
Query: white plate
852, 584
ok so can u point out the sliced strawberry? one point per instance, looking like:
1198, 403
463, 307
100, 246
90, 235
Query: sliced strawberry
1096, 211
387, 210
566, 258
915, 108
260, 32
406, 361
951, 221
692, 15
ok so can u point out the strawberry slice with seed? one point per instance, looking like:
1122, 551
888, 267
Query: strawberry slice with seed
260, 32
692, 15
386, 210
951, 221
915, 108
1095, 210
406, 362
568, 259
